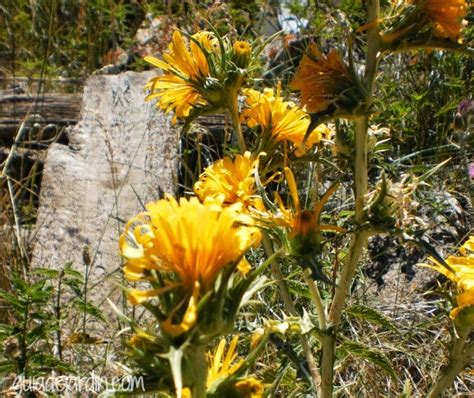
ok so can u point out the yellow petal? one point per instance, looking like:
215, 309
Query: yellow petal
290, 179
189, 318
244, 266
137, 296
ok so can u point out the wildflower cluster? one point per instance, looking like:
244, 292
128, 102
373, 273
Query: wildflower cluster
200, 76
326, 84
415, 20
189, 257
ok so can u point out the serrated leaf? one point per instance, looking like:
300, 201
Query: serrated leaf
371, 355
5, 331
75, 286
47, 272
12, 300
298, 289
370, 315
46, 361
7, 367
90, 309
72, 273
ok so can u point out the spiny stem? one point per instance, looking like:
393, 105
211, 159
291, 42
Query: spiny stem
360, 238
198, 367
316, 297
327, 365
233, 108
461, 354
290, 307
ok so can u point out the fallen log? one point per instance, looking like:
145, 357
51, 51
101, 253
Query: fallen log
58, 109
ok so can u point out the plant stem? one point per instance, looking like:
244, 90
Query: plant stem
459, 358
316, 297
349, 269
290, 307
373, 47
233, 108
196, 355
59, 351
359, 240
327, 365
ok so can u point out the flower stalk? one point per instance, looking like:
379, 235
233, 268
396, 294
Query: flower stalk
233, 108
359, 240
316, 298
196, 370
290, 307
461, 354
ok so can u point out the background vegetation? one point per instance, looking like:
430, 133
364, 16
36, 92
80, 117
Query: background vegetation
43, 41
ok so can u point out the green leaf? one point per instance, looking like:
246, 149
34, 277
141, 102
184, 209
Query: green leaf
75, 286
12, 300
41, 362
298, 288
47, 272
449, 107
72, 273
369, 354
370, 315
5, 331
7, 367
89, 308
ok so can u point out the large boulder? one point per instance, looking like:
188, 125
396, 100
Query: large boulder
121, 155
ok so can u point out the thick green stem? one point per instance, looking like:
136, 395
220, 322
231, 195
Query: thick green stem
327, 365
461, 355
290, 307
197, 370
349, 269
373, 46
316, 297
233, 107
347, 275
359, 240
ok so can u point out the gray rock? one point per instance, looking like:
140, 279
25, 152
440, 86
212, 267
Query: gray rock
121, 154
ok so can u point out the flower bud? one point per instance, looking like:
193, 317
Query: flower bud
241, 54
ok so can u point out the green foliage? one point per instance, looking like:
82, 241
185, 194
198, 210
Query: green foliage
369, 354
37, 317
417, 97
422, 105
64, 37
27, 339
370, 315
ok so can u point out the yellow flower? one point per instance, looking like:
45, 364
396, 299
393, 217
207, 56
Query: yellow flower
299, 221
186, 393
285, 120
189, 239
468, 246
221, 366
242, 48
250, 388
322, 80
445, 15
189, 317
232, 179
426, 18
140, 339
242, 52
185, 71
461, 272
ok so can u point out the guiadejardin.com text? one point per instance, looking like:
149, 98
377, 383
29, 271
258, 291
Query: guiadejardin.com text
91, 384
